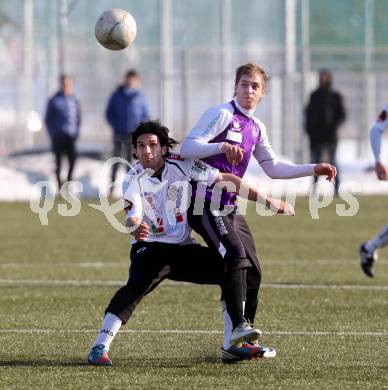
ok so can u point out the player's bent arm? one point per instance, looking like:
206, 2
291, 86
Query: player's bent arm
139, 229
234, 154
196, 148
132, 222
250, 193
211, 124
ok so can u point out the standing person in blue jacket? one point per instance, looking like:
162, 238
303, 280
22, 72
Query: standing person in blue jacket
63, 119
127, 108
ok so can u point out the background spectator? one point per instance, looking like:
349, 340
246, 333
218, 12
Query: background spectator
325, 113
127, 108
63, 119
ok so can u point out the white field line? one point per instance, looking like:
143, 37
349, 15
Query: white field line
103, 264
325, 286
194, 332
86, 264
98, 283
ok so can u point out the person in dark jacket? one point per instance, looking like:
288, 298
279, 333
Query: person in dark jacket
325, 113
127, 108
63, 119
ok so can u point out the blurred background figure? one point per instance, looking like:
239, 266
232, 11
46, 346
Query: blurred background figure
63, 119
127, 108
325, 113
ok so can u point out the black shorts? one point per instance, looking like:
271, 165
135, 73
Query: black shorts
231, 237
154, 262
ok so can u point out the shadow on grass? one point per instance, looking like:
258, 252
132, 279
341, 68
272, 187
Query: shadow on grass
42, 363
166, 362
156, 362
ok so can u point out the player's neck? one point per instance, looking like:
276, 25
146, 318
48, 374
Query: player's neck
159, 171
244, 110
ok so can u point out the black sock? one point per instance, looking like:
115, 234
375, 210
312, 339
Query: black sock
234, 295
251, 304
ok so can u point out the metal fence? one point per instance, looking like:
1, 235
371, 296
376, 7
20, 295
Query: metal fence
180, 82
197, 83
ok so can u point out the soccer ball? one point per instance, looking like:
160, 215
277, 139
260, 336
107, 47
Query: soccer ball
115, 29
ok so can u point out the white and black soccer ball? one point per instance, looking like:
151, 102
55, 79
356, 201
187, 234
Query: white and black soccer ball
115, 29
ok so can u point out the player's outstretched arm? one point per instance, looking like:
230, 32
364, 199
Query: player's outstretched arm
250, 193
381, 171
324, 169
375, 141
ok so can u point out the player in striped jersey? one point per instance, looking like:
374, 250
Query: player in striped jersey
368, 250
155, 206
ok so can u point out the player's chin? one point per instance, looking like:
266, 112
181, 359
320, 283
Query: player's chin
148, 164
249, 104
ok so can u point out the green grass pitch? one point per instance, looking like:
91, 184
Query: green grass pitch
328, 322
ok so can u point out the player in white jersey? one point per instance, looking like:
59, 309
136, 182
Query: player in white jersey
157, 194
368, 250
226, 137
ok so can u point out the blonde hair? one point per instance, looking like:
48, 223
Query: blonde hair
250, 69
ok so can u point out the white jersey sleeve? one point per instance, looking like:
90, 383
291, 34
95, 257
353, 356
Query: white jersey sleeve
275, 169
199, 171
211, 124
133, 204
378, 127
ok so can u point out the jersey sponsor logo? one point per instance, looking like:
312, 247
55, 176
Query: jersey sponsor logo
141, 249
211, 125
199, 166
172, 193
148, 196
382, 117
234, 136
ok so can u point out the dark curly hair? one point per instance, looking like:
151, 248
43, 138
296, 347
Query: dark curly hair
156, 128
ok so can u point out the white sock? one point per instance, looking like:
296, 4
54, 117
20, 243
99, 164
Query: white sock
228, 325
379, 241
109, 328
